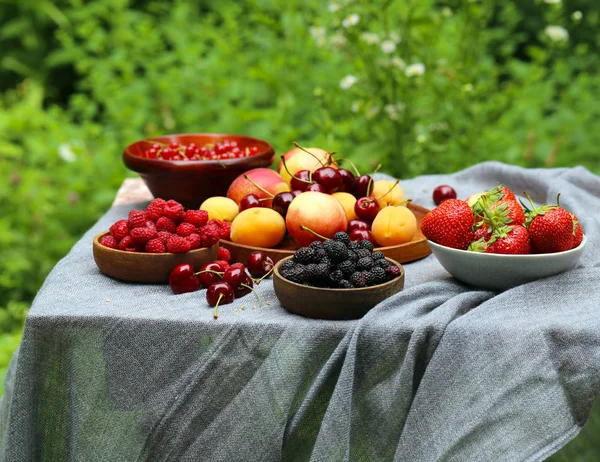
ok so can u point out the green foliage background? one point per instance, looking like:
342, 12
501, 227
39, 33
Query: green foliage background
80, 80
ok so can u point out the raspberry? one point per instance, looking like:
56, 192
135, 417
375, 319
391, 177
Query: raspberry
166, 224
119, 229
223, 264
185, 229
210, 235
142, 235
150, 224
137, 219
195, 241
238, 265
224, 254
155, 246
155, 209
164, 236
178, 244
110, 241
125, 243
174, 211
196, 217
225, 230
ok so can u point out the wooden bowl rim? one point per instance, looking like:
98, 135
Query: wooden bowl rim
97, 244
329, 289
131, 160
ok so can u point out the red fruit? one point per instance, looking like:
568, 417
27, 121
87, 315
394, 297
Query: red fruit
174, 211
225, 230
300, 180
362, 235
195, 241
137, 219
166, 224
178, 244
578, 234
224, 254
552, 230
219, 293
442, 193
513, 241
367, 208
316, 187
223, 264
259, 264
155, 209
140, 236
234, 277
245, 285
238, 265
347, 180
210, 235
196, 217
125, 243
507, 194
164, 236
281, 202
119, 229
185, 229
482, 232
449, 224
362, 186
393, 272
510, 211
155, 246
183, 279
250, 201
109, 241
358, 224
210, 273
329, 178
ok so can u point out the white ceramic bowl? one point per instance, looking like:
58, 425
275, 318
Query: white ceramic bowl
498, 271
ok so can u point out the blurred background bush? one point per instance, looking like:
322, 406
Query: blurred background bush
420, 86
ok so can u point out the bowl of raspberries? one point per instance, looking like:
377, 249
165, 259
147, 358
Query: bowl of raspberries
148, 244
336, 279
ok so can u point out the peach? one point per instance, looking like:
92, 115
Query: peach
259, 227
387, 193
297, 159
320, 212
347, 201
394, 226
267, 179
221, 208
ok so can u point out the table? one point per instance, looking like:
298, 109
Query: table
115, 371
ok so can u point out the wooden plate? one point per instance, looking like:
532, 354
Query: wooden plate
403, 253
146, 267
316, 302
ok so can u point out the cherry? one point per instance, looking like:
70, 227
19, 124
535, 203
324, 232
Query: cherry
249, 202
442, 193
219, 293
361, 186
183, 279
233, 277
329, 178
245, 285
362, 235
281, 202
358, 224
347, 180
300, 180
208, 273
259, 264
296, 192
316, 187
366, 208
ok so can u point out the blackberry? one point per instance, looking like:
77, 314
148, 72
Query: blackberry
358, 279
378, 255
320, 254
286, 265
297, 274
393, 272
353, 245
345, 284
342, 237
365, 263
376, 276
322, 271
364, 244
352, 256
336, 276
347, 267
360, 253
316, 245
326, 260
311, 272
336, 250
383, 263
304, 255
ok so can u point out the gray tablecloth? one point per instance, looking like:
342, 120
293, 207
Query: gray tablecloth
111, 371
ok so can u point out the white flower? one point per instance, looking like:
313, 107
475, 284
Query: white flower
447, 12
372, 112
387, 46
415, 70
393, 110
338, 41
557, 33
318, 34
351, 20
66, 153
394, 37
467, 87
577, 15
370, 38
357, 105
333, 7
348, 81
398, 63
552, 2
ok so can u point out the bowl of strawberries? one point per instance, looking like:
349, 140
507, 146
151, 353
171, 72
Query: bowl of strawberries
493, 241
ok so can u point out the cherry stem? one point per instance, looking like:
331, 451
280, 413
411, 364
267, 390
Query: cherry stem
255, 293
308, 152
371, 179
304, 228
389, 190
290, 174
258, 281
215, 315
209, 271
351, 163
271, 195
405, 202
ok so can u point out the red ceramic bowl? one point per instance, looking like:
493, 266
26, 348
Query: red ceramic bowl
190, 182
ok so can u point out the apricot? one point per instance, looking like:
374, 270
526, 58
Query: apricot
220, 207
259, 227
394, 226
347, 201
387, 193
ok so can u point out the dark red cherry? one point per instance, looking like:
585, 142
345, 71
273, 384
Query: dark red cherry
183, 279
347, 180
234, 277
296, 192
219, 293
366, 208
208, 273
358, 224
259, 264
362, 235
245, 285
329, 178
316, 187
282, 201
361, 184
300, 180
249, 201
442, 193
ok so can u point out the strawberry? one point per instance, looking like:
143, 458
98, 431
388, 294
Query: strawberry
551, 228
449, 224
496, 194
578, 236
510, 211
510, 240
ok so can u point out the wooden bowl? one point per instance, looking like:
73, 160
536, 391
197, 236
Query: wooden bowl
146, 267
415, 249
320, 303
190, 182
